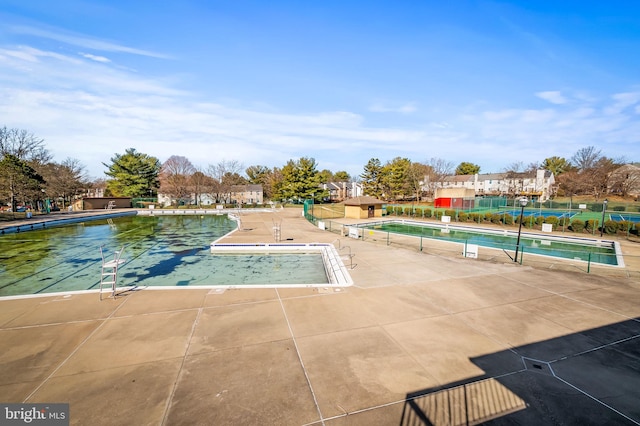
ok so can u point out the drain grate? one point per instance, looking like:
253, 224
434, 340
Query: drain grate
538, 366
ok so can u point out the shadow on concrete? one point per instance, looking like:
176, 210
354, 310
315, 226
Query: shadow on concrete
590, 377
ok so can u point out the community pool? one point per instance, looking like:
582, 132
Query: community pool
159, 250
583, 249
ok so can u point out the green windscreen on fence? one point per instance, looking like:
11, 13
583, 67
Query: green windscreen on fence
490, 202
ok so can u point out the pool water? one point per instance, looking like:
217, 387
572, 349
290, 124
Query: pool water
160, 251
604, 253
283, 268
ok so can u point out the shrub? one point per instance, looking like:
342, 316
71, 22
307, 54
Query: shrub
610, 227
407, 211
427, 213
418, 211
553, 220
577, 225
565, 221
496, 218
539, 220
450, 213
475, 217
507, 219
591, 225
462, 217
439, 214
625, 225
389, 210
488, 216
398, 210
618, 208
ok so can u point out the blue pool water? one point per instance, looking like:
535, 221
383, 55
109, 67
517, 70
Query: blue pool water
598, 252
160, 251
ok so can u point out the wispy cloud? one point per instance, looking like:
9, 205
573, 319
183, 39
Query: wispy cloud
95, 57
83, 41
622, 101
92, 110
552, 96
407, 108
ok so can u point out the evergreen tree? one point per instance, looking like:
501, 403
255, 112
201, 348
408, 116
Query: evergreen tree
373, 179
397, 174
18, 180
301, 180
341, 176
257, 174
132, 174
557, 165
262, 175
466, 168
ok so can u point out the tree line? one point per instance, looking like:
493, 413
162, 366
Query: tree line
29, 175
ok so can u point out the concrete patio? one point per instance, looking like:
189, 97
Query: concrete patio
419, 339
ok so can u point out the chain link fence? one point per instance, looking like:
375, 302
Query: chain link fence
573, 261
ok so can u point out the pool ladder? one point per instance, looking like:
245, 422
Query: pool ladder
109, 274
349, 255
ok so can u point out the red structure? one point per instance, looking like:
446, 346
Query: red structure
455, 198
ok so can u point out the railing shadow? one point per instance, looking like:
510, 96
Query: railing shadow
554, 384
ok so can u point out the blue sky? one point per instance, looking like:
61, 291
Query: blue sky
262, 82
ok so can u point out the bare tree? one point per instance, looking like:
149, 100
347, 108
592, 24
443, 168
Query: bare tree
533, 167
67, 180
200, 182
415, 176
24, 146
516, 167
219, 188
175, 177
597, 178
586, 158
438, 170
514, 176
625, 179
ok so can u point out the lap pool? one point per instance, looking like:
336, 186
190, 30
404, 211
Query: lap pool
583, 249
160, 251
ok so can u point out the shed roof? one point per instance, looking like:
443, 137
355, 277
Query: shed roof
365, 200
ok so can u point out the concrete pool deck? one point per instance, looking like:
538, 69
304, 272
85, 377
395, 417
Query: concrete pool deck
419, 339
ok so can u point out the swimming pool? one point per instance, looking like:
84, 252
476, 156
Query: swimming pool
328, 268
160, 250
582, 249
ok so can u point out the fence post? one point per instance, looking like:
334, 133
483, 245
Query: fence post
387, 237
420, 242
589, 263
